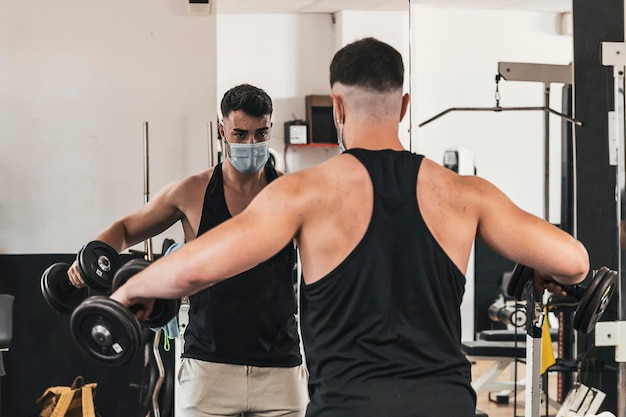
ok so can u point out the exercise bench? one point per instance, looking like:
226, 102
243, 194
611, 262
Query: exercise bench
502, 353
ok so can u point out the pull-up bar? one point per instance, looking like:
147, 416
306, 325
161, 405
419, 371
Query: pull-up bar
499, 109
544, 73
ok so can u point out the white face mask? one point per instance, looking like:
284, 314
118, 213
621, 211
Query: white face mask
248, 158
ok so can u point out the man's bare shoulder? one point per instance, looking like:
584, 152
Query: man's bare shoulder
181, 189
435, 174
321, 174
321, 184
197, 180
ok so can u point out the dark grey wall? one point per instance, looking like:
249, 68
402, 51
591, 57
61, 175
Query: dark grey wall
43, 354
595, 22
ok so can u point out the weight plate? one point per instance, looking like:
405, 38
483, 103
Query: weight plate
105, 331
98, 263
519, 278
127, 270
597, 302
57, 290
583, 303
519, 317
163, 310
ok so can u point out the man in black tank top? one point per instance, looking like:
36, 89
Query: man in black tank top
241, 346
385, 237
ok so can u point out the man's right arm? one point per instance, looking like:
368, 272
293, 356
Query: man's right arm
143, 223
527, 239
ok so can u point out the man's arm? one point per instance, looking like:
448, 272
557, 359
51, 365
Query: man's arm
269, 223
527, 239
146, 221
143, 223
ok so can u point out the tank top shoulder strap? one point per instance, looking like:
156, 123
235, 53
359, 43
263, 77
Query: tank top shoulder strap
270, 173
213, 200
388, 165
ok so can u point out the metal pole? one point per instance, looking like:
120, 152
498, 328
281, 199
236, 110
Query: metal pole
150, 257
146, 185
161, 378
211, 144
618, 73
546, 153
534, 326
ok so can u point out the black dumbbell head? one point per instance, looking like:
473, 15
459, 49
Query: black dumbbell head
519, 278
163, 310
98, 263
58, 291
595, 300
106, 331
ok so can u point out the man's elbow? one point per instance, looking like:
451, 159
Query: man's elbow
580, 265
192, 280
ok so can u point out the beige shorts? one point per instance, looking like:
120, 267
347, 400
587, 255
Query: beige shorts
216, 389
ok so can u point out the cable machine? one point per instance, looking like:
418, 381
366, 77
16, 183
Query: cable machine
546, 74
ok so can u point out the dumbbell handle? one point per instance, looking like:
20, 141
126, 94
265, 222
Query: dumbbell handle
67, 285
135, 308
576, 291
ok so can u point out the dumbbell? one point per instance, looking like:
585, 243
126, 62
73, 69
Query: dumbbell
97, 261
592, 299
58, 291
501, 313
108, 331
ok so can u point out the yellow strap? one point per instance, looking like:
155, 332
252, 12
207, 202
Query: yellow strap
88, 407
547, 351
65, 399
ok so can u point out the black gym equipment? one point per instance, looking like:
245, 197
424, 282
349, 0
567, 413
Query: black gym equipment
151, 375
163, 310
167, 242
592, 300
58, 291
515, 315
107, 331
97, 261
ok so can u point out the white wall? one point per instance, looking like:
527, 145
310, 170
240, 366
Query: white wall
77, 81
288, 56
389, 27
289, 63
459, 70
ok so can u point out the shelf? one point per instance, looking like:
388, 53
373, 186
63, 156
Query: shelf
312, 145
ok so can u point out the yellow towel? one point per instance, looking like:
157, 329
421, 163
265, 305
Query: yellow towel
547, 352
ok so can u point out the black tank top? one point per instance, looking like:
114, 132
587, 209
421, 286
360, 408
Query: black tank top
382, 330
248, 319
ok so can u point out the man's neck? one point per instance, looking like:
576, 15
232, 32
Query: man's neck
372, 136
238, 180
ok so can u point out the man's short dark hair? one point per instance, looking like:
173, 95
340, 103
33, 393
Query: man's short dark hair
247, 98
368, 63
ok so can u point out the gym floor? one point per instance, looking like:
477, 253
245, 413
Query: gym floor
492, 409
